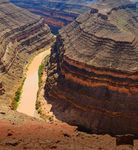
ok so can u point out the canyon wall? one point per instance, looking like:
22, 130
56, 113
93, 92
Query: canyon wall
57, 13
22, 34
93, 70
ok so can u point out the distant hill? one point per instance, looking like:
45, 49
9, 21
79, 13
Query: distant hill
57, 13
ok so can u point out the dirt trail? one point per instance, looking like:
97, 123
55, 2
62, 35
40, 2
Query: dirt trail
30, 87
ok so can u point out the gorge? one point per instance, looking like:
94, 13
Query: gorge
90, 80
57, 13
22, 35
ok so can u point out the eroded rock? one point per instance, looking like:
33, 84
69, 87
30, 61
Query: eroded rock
97, 64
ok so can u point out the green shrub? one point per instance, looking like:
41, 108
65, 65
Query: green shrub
41, 69
40, 74
17, 97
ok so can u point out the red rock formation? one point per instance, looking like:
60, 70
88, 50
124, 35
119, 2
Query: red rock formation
93, 70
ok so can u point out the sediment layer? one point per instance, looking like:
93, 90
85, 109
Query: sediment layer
93, 70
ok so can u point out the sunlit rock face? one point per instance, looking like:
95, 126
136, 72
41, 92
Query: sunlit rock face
93, 70
21, 35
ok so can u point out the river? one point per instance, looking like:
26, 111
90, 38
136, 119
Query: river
31, 87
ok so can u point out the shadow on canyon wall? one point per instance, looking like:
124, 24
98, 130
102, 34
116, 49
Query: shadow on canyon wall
64, 110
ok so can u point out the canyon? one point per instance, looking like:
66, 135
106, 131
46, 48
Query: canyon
89, 83
93, 70
57, 13
22, 35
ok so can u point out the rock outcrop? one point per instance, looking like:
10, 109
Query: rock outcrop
93, 70
22, 34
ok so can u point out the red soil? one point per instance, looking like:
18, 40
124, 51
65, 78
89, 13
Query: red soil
38, 135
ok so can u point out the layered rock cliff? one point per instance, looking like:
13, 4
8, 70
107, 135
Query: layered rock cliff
57, 13
93, 70
22, 34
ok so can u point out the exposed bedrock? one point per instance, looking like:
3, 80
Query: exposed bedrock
22, 34
93, 72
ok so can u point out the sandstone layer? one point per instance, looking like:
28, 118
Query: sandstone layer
22, 34
93, 70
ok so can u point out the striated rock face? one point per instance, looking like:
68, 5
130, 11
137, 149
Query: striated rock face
57, 13
93, 70
21, 35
